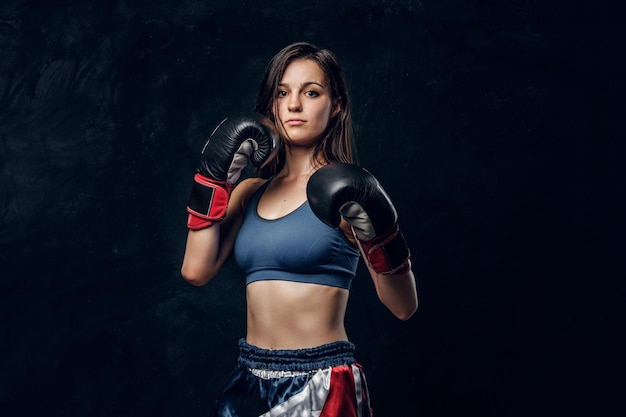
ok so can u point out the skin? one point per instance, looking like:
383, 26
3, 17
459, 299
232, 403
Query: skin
282, 314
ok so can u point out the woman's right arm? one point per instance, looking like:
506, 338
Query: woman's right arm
216, 213
208, 249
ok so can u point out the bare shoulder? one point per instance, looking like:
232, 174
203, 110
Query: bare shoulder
244, 190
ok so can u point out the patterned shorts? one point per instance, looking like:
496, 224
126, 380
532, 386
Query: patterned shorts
323, 381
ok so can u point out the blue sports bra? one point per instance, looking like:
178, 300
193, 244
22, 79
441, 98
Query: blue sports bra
296, 247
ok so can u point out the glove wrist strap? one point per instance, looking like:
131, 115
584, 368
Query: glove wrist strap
208, 202
388, 254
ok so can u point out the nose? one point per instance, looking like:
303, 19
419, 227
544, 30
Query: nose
294, 103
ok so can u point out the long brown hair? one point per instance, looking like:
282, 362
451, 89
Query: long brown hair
337, 143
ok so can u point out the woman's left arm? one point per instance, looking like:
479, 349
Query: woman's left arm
347, 195
398, 292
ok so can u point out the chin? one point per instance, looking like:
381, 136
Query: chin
300, 141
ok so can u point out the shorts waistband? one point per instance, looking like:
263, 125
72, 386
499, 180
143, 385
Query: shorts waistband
298, 360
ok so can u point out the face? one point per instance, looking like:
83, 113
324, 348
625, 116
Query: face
303, 103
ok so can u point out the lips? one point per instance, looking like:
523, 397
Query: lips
294, 122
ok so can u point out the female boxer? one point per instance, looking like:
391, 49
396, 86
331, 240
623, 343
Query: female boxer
297, 231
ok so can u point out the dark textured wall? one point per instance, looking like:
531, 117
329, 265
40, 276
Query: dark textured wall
494, 126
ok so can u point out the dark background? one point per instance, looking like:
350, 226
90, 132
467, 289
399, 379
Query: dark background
495, 126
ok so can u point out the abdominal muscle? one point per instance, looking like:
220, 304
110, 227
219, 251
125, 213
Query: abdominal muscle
294, 315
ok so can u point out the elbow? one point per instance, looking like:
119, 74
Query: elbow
194, 277
407, 312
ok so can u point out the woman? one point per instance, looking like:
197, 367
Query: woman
296, 358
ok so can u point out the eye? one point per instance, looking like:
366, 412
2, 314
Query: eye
281, 93
311, 93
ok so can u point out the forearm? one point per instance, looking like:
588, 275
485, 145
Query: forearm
398, 293
202, 259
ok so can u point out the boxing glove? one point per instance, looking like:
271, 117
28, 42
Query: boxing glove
345, 190
234, 142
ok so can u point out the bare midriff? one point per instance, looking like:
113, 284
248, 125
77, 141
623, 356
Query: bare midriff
294, 315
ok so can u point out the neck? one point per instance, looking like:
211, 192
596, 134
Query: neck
298, 162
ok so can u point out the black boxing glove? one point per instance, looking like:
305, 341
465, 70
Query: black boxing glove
345, 190
235, 141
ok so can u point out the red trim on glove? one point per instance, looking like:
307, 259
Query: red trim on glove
388, 254
208, 202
